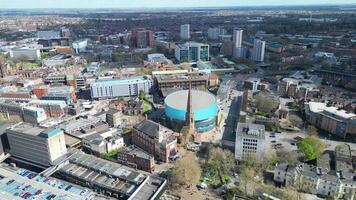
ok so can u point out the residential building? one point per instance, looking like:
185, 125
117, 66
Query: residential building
237, 43
35, 145
255, 84
105, 89
214, 33
155, 139
192, 52
316, 180
142, 38
185, 32
331, 119
250, 141
137, 158
258, 52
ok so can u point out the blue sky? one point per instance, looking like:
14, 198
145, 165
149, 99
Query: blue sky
157, 3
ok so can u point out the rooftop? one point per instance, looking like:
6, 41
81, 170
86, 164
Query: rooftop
200, 100
251, 130
322, 108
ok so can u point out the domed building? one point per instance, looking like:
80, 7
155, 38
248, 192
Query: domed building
196, 108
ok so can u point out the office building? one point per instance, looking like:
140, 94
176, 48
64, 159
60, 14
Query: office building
258, 52
26, 53
250, 141
171, 82
185, 32
34, 115
155, 139
214, 33
237, 43
38, 146
61, 93
142, 38
331, 119
80, 46
192, 52
104, 89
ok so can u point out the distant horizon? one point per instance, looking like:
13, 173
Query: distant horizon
161, 4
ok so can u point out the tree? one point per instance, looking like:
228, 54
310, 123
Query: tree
141, 95
295, 120
248, 180
221, 161
186, 171
265, 102
284, 156
312, 147
312, 130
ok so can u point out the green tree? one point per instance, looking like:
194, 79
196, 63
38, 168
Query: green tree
141, 95
312, 147
221, 161
186, 171
265, 102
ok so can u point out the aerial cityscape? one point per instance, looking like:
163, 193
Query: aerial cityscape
177, 100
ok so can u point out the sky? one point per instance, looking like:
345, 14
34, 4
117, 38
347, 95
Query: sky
158, 3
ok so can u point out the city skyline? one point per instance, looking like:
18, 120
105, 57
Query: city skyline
32, 4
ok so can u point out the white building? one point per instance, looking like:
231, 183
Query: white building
237, 43
185, 31
250, 140
316, 180
80, 46
102, 89
35, 145
258, 52
26, 53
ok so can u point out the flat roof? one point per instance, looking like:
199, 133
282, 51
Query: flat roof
118, 81
14, 181
319, 107
200, 100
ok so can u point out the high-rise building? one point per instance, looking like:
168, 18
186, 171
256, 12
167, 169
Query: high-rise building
258, 53
237, 43
142, 38
38, 146
185, 31
214, 33
192, 52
